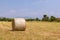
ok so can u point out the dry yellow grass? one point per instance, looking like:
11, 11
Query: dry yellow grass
34, 31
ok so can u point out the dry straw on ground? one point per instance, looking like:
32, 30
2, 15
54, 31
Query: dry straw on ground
18, 24
34, 31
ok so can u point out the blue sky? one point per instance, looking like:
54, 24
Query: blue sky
29, 8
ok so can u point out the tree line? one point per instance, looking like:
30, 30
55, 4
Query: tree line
45, 18
5, 19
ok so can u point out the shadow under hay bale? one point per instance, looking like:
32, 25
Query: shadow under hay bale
18, 24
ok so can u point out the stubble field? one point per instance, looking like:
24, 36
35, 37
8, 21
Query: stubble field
35, 30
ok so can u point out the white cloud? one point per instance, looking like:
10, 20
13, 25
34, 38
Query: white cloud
12, 11
38, 2
24, 10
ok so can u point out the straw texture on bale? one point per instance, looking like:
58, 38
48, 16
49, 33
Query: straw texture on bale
18, 24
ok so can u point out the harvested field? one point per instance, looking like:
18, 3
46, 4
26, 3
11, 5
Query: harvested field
34, 31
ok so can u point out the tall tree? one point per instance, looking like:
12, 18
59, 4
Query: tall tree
52, 18
45, 18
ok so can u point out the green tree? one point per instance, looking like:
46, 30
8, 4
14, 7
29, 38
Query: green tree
52, 18
37, 19
45, 18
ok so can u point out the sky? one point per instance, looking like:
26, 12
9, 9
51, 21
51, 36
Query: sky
29, 8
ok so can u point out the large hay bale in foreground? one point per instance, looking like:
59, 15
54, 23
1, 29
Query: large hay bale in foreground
18, 24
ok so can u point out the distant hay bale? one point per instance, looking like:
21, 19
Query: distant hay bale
18, 24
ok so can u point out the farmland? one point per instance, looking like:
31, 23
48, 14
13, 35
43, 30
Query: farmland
35, 30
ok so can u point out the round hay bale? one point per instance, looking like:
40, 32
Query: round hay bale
18, 24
